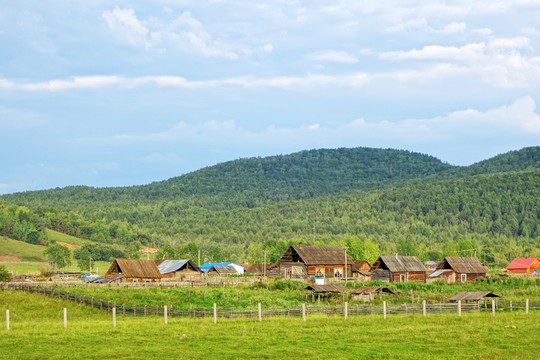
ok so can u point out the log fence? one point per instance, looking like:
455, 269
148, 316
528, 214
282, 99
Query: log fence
259, 312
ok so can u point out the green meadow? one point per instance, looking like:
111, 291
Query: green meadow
37, 332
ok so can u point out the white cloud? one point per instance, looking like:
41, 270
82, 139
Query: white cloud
334, 56
125, 25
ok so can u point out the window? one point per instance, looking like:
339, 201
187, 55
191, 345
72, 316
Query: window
463, 277
338, 272
319, 272
403, 277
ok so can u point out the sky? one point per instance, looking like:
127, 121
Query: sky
119, 93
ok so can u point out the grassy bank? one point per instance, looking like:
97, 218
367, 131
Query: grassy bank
38, 333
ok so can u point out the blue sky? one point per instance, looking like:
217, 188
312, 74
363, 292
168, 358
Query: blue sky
106, 93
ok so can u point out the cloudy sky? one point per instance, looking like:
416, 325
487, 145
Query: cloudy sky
107, 93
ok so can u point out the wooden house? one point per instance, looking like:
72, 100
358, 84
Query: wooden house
528, 265
134, 270
464, 268
367, 293
398, 269
361, 270
322, 262
174, 270
472, 296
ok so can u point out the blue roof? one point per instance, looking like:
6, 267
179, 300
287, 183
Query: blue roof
209, 265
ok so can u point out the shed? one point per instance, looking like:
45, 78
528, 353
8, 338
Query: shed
464, 268
367, 293
221, 270
303, 262
178, 269
135, 270
475, 296
325, 291
398, 269
526, 265
239, 269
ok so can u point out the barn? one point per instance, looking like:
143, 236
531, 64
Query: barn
398, 269
134, 270
464, 268
174, 270
322, 262
527, 265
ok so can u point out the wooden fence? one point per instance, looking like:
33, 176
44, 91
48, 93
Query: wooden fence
342, 311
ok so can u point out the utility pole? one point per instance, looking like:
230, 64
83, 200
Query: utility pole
199, 257
346, 265
264, 267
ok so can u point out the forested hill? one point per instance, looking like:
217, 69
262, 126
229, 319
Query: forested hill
257, 181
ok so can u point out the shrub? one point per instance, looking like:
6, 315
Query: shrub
5, 276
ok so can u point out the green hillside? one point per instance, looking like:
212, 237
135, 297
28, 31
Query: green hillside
401, 201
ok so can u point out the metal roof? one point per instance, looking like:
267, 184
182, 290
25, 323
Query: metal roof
521, 263
396, 263
169, 266
223, 269
106, 279
326, 288
438, 273
472, 296
464, 265
209, 265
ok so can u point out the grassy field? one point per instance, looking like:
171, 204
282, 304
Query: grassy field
37, 332
281, 294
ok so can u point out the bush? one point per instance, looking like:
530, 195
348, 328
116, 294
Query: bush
5, 276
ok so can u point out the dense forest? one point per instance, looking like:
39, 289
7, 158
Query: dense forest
385, 200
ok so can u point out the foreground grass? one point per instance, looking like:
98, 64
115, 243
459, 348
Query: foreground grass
38, 333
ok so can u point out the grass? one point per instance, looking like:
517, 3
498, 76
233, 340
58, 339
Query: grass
24, 251
38, 333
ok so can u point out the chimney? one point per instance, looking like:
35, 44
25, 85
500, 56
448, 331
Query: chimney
299, 244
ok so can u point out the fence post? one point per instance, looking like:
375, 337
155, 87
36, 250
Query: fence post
527, 307
7, 319
65, 317
304, 312
511, 307
215, 313
346, 310
384, 309
165, 313
260, 312
493, 307
424, 308
114, 316
459, 307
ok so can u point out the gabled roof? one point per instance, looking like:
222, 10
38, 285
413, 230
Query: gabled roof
135, 268
209, 265
438, 273
316, 255
472, 296
169, 266
364, 290
396, 263
223, 269
326, 288
257, 268
521, 263
465, 265
357, 264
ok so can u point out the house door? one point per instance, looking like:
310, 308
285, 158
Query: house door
402, 277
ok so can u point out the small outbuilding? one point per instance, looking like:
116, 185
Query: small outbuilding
325, 291
526, 265
398, 269
367, 293
220, 270
473, 296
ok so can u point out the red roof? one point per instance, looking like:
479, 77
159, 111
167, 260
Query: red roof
521, 263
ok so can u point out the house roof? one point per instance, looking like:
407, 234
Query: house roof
466, 265
135, 268
223, 269
472, 296
326, 288
438, 273
209, 265
521, 263
364, 290
397, 263
319, 255
169, 266
357, 264
257, 268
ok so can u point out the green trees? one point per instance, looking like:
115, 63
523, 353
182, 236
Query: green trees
5, 276
58, 255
